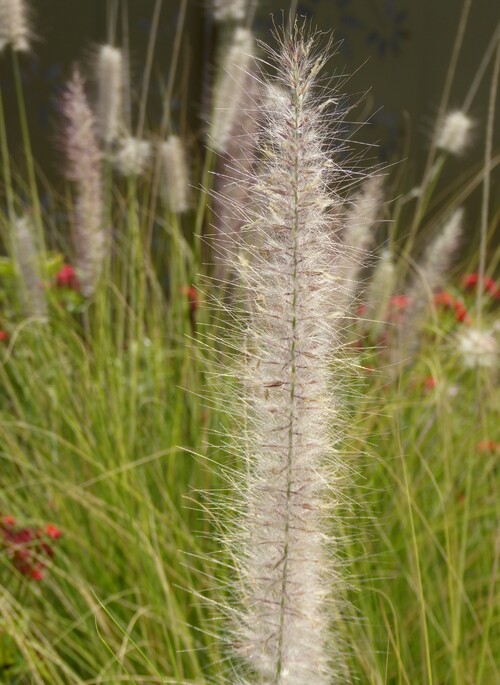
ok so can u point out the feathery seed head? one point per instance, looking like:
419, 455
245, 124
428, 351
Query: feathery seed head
14, 27
454, 136
230, 89
84, 170
290, 586
229, 10
175, 186
110, 79
132, 156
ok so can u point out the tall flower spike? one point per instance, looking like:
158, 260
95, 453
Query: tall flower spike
84, 169
175, 185
14, 28
289, 585
109, 92
230, 89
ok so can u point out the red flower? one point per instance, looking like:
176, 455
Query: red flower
445, 299
67, 278
26, 546
4, 336
471, 281
398, 302
430, 383
489, 446
52, 531
36, 572
461, 314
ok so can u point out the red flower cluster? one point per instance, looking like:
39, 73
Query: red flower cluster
397, 305
448, 301
488, 446
67, 278
471, 281
27, 547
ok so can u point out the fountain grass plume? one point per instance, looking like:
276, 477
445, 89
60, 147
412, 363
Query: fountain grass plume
175, 184
14, 25
230, 89
83, 168
235, 167
358, 235
379, 292
30, 269
429, 276
229, 10
131, 156
455, 133
110, 82
288, 588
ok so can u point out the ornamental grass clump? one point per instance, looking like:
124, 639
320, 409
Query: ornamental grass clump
289, 581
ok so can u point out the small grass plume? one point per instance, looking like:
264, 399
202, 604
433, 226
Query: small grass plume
83, 168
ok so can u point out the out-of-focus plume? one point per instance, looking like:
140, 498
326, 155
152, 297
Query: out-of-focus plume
132, 156
83, 168
230, 89
110, 79
454, 135
28, 263
14, 26
175, 182
229, 10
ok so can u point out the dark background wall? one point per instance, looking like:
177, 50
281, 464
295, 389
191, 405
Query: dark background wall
397, 51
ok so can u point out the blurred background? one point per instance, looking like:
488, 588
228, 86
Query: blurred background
397, 52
